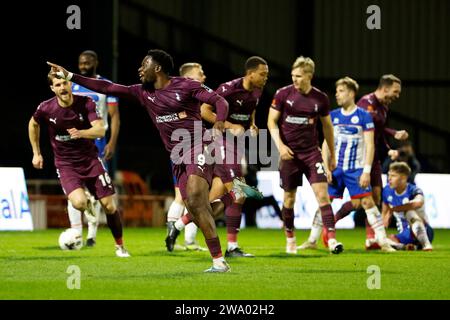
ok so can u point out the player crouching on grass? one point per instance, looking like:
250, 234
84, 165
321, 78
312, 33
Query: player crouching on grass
73, 124
406, 202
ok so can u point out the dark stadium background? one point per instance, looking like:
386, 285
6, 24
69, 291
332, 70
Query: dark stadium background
413, 44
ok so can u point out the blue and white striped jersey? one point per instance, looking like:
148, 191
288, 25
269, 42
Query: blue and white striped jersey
102, 101
349, 137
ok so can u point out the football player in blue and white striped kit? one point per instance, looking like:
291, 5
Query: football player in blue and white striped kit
354, 151
405, 201
106, 105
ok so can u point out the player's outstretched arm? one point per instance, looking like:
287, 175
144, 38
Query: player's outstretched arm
34, 131
97, 85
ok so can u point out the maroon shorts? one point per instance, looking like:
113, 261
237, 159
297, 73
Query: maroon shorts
90, 174
183, 171
230, 165
309, 163
375, 174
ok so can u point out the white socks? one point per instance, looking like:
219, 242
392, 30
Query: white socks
376, 222
316, 228
219, 261
232, 246
291, 240
419, 230
74, 217
92, 230
190, 232
175, 211
93, 226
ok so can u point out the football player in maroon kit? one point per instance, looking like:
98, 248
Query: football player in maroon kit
293, 117
73, 124
173, 105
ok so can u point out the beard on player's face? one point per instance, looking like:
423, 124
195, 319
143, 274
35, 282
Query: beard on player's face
87, 72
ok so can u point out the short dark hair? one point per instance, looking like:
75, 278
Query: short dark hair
388, 80
254, 62
91, 53
400, 168
163, 59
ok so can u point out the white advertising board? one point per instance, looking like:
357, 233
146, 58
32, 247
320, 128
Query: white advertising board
436, 188
14, 205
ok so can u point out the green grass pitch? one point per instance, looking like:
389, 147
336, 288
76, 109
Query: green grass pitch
33, 267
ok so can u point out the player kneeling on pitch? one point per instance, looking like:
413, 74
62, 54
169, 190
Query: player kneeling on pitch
406, 202
73, 124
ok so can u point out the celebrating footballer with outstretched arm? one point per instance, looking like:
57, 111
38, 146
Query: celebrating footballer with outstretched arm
173, 103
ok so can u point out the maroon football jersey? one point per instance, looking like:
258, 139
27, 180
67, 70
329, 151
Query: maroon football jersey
79, 115
241, 102
299, 116
175, 107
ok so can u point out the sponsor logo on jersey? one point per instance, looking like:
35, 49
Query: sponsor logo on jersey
63, 138
298, 120
336, 120
52, 120
171, 117
239, 102
240, 117
290, 102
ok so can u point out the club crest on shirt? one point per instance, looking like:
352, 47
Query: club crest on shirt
354, 119
405, 200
